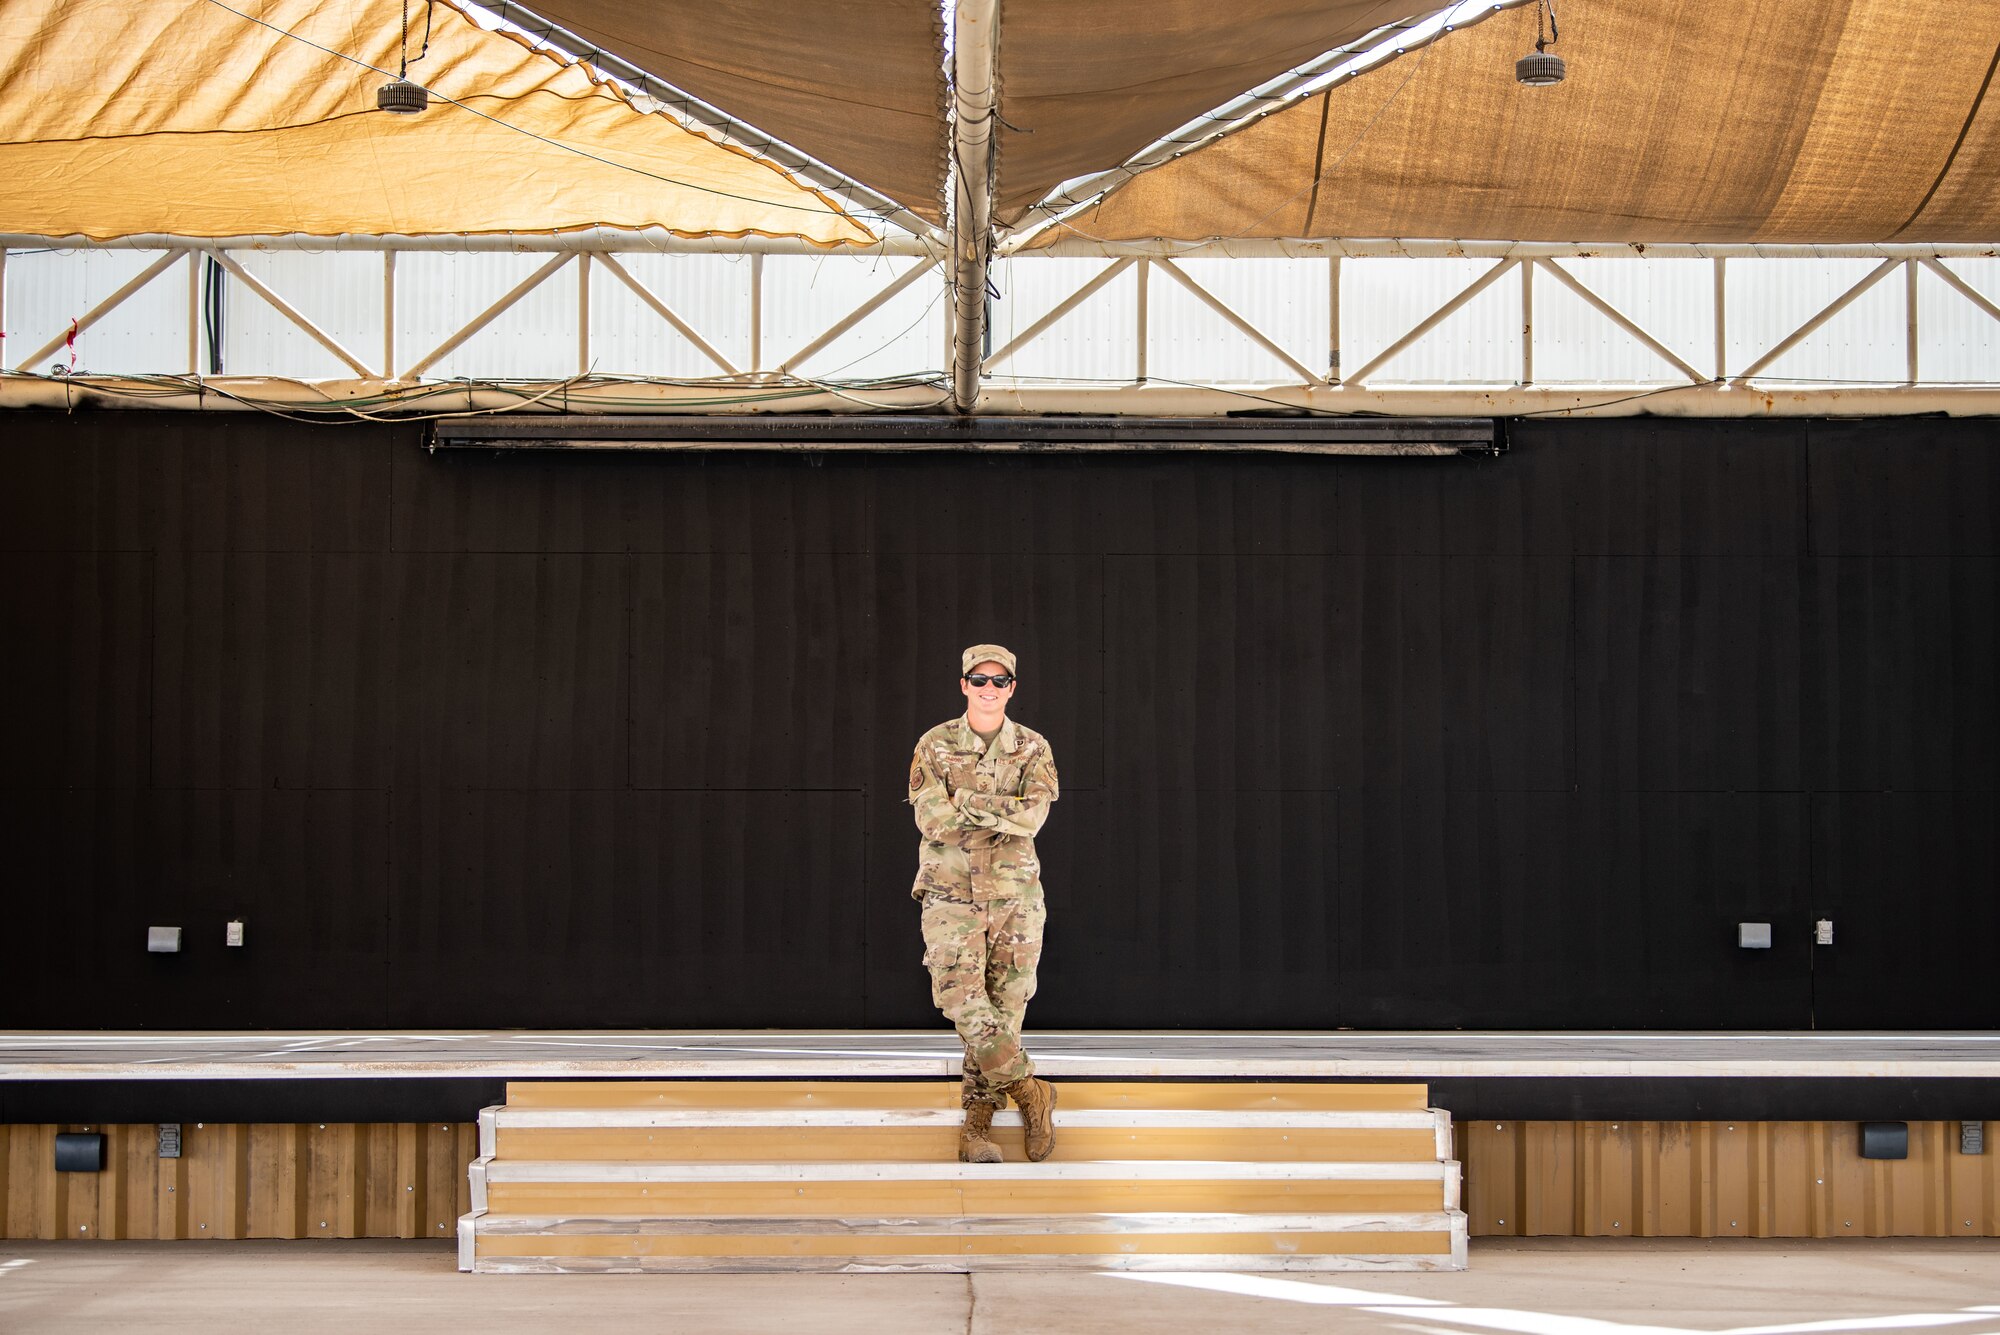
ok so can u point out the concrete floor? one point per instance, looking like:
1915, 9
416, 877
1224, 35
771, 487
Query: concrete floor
1524, 1287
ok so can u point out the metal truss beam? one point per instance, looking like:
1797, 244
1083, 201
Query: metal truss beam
1419, 248
786, 390
1708, 400
608, 240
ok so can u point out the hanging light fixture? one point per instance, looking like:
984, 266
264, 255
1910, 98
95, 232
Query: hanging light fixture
402, 97
1541, 67
399, 95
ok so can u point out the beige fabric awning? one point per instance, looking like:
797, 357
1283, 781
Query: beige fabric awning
858, 84
1681, 120
1085, 86
119, 119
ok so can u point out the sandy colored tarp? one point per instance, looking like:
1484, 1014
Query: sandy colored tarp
1681, 120
1083, 87
858, 84
119, 118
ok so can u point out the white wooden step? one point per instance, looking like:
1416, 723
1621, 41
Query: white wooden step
1163, 1241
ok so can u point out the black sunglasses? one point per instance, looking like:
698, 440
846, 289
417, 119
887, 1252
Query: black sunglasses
1000, 679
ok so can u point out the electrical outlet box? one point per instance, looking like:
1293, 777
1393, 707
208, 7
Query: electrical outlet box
79, 1151
1885, 1140
233, 934
1972, 1137
1823, 932
163, 940
1753, 935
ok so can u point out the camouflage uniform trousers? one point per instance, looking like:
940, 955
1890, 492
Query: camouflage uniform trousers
982, 958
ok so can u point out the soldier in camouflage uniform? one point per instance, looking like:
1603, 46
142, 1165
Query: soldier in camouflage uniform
979, 801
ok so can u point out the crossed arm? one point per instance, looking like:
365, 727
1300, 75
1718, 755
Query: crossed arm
972, 819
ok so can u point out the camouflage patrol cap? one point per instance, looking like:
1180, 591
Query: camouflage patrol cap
986, 653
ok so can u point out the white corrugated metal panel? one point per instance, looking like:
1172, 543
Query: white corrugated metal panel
340, 293
47, 290
1957, 342
1768, 299
804, 295
1285, 299
711, 293
436, 294
1673, 300
1381, 300
1092, 342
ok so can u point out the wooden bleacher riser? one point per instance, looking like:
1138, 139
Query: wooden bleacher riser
863, 1176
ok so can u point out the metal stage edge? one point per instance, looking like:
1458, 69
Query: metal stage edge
274, 1076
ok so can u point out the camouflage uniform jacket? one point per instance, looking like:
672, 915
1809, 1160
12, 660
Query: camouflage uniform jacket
978, 808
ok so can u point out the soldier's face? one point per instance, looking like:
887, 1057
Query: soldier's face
988, 697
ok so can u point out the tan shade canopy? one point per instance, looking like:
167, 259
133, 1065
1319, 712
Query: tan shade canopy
1083, 87
1681, 120
858, 84
186, 118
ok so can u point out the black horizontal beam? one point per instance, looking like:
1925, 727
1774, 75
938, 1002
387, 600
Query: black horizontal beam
1537, 1098
1291, 434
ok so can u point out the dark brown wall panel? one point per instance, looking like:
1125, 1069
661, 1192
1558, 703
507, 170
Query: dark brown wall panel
1671, 692
1907, 881
1902, 682
732, 646
75, 669
1288, 672
1929, 487
1676, 488
635, 908
512, 670
614, 740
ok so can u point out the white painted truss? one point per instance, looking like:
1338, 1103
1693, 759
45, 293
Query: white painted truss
632, 322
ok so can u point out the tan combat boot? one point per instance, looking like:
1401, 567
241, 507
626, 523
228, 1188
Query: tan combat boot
1037, 1101
975, 1139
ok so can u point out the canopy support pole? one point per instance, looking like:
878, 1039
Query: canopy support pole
975, 96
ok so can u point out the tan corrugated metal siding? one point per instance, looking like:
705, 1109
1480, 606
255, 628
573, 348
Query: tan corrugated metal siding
1721, 1179
264, 1180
